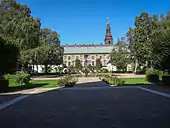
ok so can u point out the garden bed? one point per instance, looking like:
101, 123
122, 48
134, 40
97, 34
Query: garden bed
67, 81
113, 81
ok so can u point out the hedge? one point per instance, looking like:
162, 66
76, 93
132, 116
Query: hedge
112, 80
18, 78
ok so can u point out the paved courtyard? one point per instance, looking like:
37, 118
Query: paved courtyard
93, 104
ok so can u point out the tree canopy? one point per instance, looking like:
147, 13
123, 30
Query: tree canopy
149, 41
36, 45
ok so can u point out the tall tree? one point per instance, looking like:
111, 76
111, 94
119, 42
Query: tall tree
9, 55
78, 65
98, 64
149, 40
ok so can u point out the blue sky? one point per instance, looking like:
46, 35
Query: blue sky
84, 21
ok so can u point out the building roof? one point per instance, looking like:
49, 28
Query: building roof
87, 49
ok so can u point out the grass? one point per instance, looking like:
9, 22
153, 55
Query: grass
35, 84
135, 81
47, 83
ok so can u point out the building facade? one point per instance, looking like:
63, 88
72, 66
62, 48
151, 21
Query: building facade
88, 54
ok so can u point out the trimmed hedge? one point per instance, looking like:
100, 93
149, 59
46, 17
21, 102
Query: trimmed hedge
18, 78
112, 80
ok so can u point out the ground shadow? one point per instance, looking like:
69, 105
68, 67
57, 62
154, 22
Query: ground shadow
92, 84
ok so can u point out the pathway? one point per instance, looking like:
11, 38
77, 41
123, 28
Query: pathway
90, 104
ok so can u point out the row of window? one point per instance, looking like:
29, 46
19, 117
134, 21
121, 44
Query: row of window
77, 57
88, 62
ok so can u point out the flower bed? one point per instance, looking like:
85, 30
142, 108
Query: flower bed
112, 80
67, 81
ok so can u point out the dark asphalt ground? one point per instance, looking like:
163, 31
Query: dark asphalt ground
86, 107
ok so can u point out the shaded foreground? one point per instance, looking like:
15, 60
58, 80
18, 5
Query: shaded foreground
92, 105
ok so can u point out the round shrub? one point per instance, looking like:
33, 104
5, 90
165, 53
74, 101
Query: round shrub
153, 78
152, 75
166, 79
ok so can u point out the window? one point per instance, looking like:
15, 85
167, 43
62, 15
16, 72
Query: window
72, 57
69, 57
92, 63
100, 57
65, 62
69, 64
92, 57
64, 57
109, 42
77, 57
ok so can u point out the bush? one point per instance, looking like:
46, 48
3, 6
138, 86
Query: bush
112, 80
3, 83
103, 70
161, 73
152, 75
118, 71
166, 79
18, 78
67, 81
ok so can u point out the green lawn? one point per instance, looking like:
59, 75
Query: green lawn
36, 84
135, 81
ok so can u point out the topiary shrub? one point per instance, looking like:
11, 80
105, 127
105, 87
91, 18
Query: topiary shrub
18, 78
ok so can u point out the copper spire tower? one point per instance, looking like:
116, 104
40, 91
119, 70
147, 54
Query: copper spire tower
108, 36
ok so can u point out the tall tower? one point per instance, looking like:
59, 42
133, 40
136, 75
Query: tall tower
108, 37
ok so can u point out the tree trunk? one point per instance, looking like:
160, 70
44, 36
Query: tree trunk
33, 66
46, 68
151, 65
136, 66
37, 68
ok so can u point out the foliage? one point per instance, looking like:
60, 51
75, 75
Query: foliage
166, 80
60, 69
18, 78
3, 83
9, 54
152, 75
98, 64
103, 70
119, 55
112, 80
78, 65
67, 81
36, 45
149, 41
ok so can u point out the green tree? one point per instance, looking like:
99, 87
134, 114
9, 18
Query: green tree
9, 55
78, 65
119, 55
149, 41
98, 64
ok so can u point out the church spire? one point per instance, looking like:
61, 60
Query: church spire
108, 36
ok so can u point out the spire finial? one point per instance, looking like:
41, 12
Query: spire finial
107, 20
